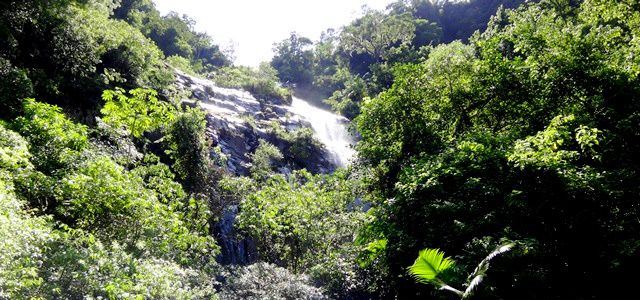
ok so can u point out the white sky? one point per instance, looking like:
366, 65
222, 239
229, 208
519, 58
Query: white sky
252, 26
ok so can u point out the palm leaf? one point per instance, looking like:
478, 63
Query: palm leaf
481, 270
429, 265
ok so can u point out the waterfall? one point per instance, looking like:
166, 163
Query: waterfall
330, 129
227, 126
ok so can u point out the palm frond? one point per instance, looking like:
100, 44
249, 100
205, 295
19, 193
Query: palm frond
481, 270
429, 264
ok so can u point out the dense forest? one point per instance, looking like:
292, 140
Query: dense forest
497, 156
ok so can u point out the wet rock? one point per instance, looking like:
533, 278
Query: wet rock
236, 122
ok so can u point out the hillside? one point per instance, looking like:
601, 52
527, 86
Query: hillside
435, 149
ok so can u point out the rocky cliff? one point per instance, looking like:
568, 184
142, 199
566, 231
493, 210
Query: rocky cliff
237, 121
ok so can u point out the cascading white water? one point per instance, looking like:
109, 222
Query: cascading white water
330, 129
227, 126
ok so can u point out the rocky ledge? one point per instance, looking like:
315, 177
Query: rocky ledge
237, 121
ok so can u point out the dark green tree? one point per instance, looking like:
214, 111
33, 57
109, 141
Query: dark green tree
294, 60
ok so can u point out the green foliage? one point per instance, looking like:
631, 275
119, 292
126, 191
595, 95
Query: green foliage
525, 134
300, 143
189, 149
105, 231
345, 100
23, 240
138, 112
55, 141
181, 64
375, 33
287, 217
68, 52
294, 60
359, 61
261, 83
429, 265
129, 55
267, 281
550, 148
15, 86
80, 266
104, 198
262, 160
14, 151
174, 35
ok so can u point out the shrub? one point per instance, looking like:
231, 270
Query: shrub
15, 86
23, 242
14, 151
80, 266
295, 220
138, 112
261, 83
189, 149
55, 141
115, 205
262, 160
267, 281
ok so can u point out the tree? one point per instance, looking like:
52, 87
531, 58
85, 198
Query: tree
375, 33
263, 159
293, 60
55, 141
299, 221
524, 134
188, 148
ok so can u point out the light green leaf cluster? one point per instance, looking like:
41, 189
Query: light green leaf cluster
23, 242
14, 151
295, 220
54, 140
429, 265
103, 231
262, 160
138, 111
262, 82
106, 35
554, 147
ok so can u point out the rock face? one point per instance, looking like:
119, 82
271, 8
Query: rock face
236, 122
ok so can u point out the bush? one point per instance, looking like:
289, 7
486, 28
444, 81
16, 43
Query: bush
181, 64
262, 160
300, 143
189, 150
23, 243
296, 221
55, 141
123, 51
15, 86
261, 83
267, 281
14, 151
137, 111
114, 204
79, 266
